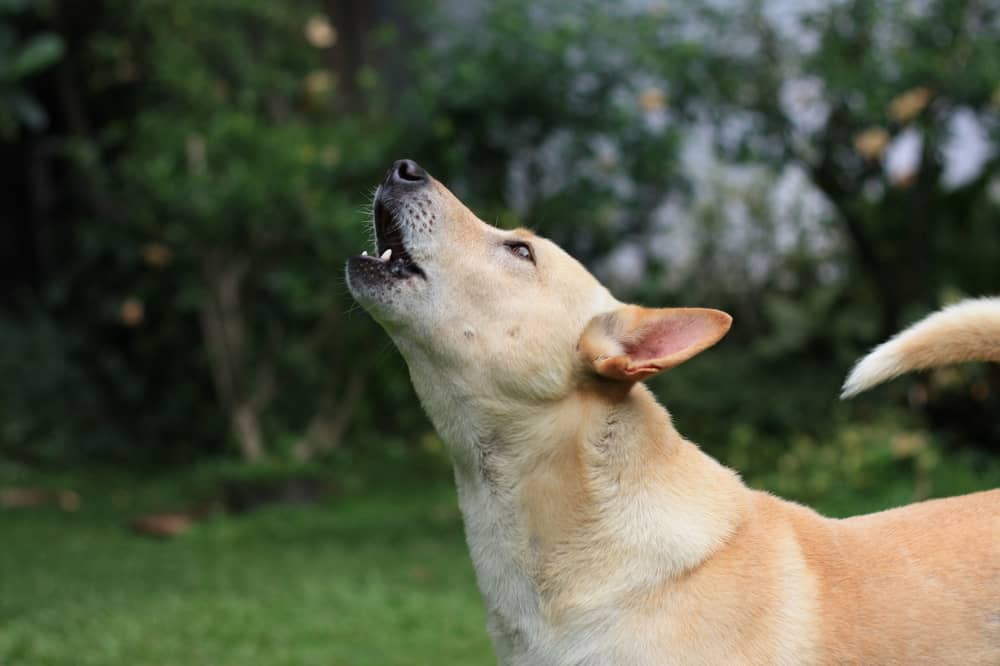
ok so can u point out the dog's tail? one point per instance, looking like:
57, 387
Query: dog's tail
966, 331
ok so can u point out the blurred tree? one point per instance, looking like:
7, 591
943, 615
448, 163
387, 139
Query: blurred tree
892, 111
27, 51
891, 108
847, 184
217, 205
553, 115
206, 164
235, 172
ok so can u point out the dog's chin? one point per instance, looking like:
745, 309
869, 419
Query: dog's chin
385, 296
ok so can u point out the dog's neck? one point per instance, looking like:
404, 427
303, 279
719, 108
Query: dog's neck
572, 505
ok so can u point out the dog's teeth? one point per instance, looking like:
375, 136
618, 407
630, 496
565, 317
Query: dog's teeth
364, 253
387, 254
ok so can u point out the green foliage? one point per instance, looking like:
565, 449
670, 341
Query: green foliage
222, 224
554, 116
20, 59
38, 364
227, 173
864, 468
874, 72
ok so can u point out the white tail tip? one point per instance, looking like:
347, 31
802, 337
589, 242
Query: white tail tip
967, 331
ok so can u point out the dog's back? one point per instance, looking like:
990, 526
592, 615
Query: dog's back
932, 560
915, 585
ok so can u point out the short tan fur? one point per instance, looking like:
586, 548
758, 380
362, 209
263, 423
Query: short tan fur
598, 533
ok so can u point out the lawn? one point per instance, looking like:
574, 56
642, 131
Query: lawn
377, 574
380, 579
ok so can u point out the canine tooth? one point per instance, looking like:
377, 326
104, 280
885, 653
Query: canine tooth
387, 254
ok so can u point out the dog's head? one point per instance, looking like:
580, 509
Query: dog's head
503, 316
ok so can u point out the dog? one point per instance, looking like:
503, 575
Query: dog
599, 535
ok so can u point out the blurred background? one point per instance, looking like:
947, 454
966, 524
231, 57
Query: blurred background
209, 455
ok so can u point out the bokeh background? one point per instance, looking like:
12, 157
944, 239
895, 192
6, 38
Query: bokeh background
209, 455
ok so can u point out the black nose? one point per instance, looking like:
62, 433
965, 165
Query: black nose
406, 172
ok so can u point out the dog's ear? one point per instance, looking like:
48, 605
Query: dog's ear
632, 343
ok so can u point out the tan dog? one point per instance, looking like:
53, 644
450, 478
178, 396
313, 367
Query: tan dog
599, 534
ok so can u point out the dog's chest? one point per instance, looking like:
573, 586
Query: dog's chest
516, 619
499, 551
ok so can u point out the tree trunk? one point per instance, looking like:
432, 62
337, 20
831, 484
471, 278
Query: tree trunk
246, 428
224, 333
327, 426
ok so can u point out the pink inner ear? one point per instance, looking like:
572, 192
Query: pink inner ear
665, 337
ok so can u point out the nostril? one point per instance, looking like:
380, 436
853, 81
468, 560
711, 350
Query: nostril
409, 171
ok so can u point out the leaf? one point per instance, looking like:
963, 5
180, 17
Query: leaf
26, 110
36, 55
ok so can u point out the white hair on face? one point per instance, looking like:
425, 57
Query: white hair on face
966, 331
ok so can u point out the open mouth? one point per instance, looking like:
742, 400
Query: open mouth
389, 246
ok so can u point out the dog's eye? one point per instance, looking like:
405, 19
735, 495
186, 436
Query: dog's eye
520, 250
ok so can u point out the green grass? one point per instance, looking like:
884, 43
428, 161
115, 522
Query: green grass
379, 575
383, 579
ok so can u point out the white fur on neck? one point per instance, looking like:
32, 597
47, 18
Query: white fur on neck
651, 525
